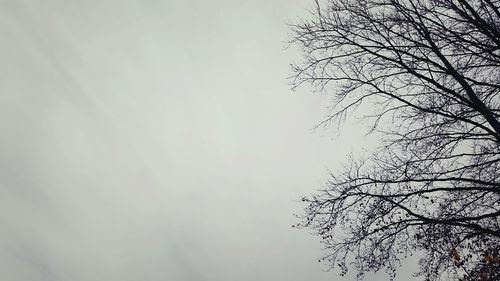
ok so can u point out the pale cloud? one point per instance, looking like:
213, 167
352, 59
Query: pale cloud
156, 140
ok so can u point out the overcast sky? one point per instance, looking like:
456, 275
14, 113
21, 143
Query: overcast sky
157, 140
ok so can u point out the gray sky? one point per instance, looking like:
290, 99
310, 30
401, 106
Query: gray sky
157, 140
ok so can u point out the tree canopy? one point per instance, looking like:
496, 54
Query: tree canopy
429, 70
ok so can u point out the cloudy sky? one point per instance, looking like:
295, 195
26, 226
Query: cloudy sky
157, 140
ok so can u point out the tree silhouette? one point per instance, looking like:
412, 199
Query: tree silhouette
429, 70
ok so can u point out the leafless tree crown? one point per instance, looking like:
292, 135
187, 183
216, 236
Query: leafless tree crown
430, 69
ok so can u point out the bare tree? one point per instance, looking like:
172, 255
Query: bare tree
430, 72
